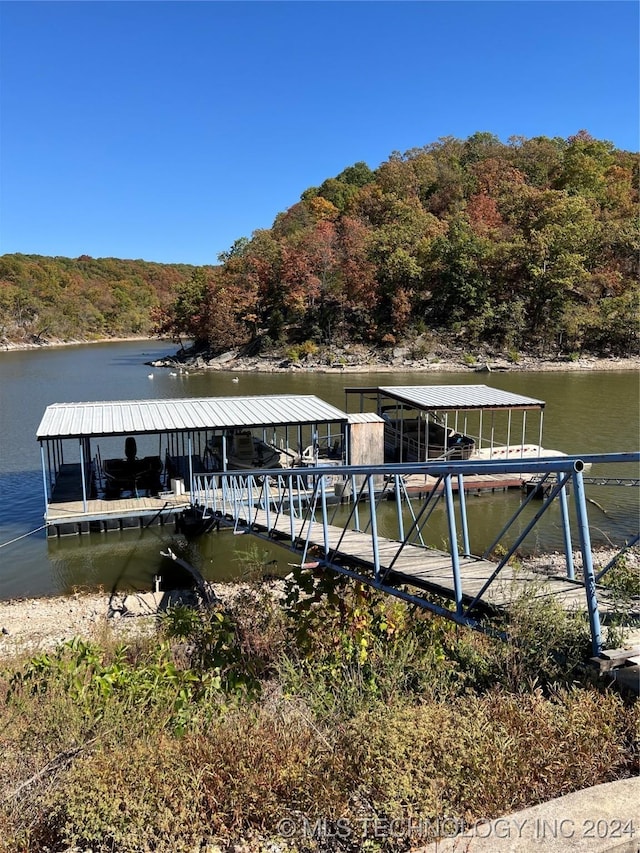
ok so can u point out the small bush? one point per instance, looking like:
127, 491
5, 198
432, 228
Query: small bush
308, 348
293, 353
623, 578
351, 646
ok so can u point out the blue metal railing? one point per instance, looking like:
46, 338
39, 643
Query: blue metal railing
297, 502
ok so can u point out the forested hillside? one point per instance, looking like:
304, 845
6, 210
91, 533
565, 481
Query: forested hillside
526, 246
59, 298
529, 246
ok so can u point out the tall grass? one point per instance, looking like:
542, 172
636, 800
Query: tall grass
340, 705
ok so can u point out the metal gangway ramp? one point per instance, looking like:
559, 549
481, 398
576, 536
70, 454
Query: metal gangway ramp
298, 508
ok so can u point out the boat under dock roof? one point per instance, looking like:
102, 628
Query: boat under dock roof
137, 417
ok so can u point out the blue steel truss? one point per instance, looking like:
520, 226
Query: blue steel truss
297, 507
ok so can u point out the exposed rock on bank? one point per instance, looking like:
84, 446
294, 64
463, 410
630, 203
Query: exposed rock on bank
360, 359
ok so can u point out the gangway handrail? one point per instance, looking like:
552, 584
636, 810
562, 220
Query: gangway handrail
520, 539
434, 493
434, 466
236, 494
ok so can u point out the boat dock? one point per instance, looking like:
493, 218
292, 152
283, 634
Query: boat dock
113, 465
121, 464
165, 468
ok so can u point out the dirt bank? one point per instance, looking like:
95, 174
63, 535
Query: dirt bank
30, 625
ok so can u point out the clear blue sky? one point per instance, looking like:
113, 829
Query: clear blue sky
168, 130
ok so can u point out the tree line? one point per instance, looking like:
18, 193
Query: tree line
529, 245
85, 298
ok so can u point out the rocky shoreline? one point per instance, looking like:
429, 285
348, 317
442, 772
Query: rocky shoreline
358, 359
353, 359
53, 343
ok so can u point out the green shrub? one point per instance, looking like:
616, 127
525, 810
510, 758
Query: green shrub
351, 646
293, 353
534, 643
308, 348
343, 704
623, 578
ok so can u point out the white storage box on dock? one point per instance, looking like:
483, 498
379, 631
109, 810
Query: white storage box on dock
177, 486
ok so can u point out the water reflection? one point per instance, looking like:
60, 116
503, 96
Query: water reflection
132, 559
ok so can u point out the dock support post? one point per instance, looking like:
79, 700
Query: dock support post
374, 528
399, 508
355, 495
84, 484
291, 505
463, 517
587, 561
266, 500
325, 522
44, 476
50, 470
453, 543
540, 432
566, 531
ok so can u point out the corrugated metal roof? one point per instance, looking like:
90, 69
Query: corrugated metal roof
126, 417
443, 397
365, 418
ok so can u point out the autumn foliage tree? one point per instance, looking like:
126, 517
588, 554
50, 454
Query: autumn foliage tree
45, 298
532, 244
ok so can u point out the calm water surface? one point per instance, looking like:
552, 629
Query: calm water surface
585, 413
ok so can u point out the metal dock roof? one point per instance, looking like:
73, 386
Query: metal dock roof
443, 397
124, 417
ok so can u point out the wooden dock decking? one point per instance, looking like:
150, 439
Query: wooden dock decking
66, 513
420, 485
112, 508
69, 517
430, 570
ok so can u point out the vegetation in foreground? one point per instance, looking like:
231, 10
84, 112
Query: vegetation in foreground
303, 724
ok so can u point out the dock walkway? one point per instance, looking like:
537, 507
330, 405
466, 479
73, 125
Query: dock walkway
426, 569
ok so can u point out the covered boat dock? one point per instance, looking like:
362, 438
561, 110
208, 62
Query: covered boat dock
131, 463
453, 421
456, 422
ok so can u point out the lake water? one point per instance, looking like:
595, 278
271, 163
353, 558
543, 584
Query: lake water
586, 412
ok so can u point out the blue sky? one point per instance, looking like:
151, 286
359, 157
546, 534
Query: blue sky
168, 130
